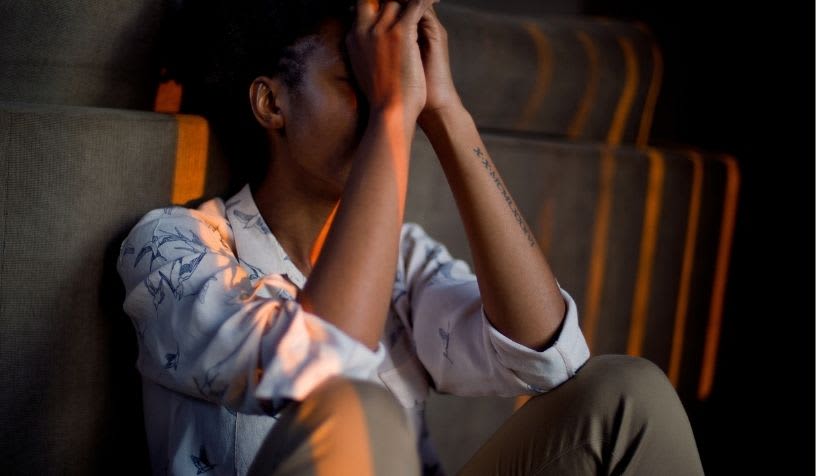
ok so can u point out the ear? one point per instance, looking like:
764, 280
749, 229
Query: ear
266, 95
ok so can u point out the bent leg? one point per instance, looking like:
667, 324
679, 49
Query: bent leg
342, 427
619, 415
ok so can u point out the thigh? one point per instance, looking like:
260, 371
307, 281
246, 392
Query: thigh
343, 427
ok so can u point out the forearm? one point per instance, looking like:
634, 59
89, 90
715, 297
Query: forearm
350, 285
519, 293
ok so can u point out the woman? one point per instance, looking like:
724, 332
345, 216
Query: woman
297, 327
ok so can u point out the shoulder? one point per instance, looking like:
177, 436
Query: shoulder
207, 224
209, 212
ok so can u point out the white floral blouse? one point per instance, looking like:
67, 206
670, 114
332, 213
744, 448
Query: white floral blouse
223, 344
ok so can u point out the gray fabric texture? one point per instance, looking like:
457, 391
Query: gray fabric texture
74, 181
560, 182
83, 53
532, 74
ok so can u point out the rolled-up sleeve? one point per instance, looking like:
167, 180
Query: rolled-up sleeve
206, 330
544, 370
461, 350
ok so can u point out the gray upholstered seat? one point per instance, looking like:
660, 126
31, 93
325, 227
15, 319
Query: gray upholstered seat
639, 237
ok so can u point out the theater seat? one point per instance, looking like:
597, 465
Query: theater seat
640, 236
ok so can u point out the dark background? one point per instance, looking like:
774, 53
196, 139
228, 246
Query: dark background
739, 79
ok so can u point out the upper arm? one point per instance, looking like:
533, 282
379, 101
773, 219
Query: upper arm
206, 330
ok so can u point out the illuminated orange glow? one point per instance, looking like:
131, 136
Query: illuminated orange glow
520, 401
191, 158
543, 75
597, 265
627, 98
344, 427
648, 243
651, 97
688, 266
578, 122
401, 154
729, 218
168, 98
317, 247
545, 220
384, 187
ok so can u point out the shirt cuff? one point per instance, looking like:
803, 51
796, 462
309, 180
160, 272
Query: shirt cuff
544, 370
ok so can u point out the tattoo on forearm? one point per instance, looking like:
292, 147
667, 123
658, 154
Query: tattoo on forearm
507, 198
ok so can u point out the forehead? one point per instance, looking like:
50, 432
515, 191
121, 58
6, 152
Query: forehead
326, 49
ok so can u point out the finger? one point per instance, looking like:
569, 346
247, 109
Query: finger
367, 13
389, 13
429, 18
430, 22
414, 10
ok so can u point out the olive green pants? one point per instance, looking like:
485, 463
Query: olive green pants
619, 415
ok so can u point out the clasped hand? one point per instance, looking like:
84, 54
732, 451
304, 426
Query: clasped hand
399, 55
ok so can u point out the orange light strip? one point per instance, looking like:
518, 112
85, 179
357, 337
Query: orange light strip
627, 98
597, 264
520, 400
191, 158
317, 247
543, 75
168, 98
692, 226
651, 97
648, 243
578, 122
729, 219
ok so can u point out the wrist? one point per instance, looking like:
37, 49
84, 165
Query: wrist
393, 117
433, 117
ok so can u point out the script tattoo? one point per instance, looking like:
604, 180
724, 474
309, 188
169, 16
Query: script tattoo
507, 198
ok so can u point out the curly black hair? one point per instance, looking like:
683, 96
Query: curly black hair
216, 48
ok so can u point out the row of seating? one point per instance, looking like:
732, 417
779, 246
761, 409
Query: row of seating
640, 236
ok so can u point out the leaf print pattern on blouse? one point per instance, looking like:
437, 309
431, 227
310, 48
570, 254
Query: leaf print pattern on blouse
206, 386
252, 221
151, 247
445, 336
172, 360
202, 461
254, 271
181, 269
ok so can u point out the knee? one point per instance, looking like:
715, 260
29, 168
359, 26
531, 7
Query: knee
616, 379
624, 374
339, 397
340, 392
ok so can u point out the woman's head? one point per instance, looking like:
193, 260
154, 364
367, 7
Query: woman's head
220, 46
